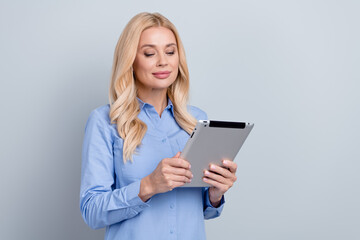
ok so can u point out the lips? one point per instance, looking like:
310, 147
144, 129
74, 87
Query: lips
162, 74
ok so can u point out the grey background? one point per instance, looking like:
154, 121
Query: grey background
291, 67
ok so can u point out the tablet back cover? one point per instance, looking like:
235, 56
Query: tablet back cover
210, 142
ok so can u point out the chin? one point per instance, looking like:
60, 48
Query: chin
162, 83
161, 86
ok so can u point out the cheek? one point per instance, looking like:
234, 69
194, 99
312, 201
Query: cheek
174, 63
175, 66
143, 67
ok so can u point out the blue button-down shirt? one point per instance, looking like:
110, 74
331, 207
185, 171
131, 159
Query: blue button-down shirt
109, 188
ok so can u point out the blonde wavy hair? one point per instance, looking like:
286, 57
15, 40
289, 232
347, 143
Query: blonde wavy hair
124, 106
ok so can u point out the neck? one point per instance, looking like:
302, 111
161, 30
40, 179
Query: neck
155, 97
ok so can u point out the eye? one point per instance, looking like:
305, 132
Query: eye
170, 53
148, 54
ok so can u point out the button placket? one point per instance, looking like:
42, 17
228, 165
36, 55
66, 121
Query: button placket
172, 215
153, 115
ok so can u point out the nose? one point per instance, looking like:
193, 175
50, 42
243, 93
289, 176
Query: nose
162, 61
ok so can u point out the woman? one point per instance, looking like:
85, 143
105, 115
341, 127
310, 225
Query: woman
131, 168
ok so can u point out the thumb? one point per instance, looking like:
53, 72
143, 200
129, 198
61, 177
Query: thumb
177, 155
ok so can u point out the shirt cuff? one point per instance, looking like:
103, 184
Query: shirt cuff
128, 196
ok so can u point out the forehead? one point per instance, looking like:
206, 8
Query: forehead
159, 36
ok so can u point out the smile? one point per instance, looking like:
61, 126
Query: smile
162, 75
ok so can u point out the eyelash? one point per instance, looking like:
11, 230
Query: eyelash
149, 55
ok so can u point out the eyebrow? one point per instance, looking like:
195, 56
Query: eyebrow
152, 45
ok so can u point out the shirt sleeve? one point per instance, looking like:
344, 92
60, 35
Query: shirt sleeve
209, 210
100, 204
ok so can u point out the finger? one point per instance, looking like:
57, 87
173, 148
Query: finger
179, 178
217, 177
222, 171
222, 187
179, 162
180, 172
175, 184
177, 155
231, 165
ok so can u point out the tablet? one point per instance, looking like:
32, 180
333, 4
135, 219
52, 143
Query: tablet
210, 142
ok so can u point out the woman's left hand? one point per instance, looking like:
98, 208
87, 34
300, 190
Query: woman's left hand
221, 178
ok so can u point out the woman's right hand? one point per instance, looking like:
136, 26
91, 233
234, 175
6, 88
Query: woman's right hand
169, 174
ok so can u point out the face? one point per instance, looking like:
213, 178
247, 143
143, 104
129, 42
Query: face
157, 59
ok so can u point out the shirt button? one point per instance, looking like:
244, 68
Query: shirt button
171, 231
172, 206
164, 140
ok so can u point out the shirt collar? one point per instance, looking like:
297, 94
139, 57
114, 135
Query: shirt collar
169, 105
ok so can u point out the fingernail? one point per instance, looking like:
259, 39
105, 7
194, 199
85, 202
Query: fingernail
225, 161
207, 173
192, 175
189, 165
205, 179
212, 167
